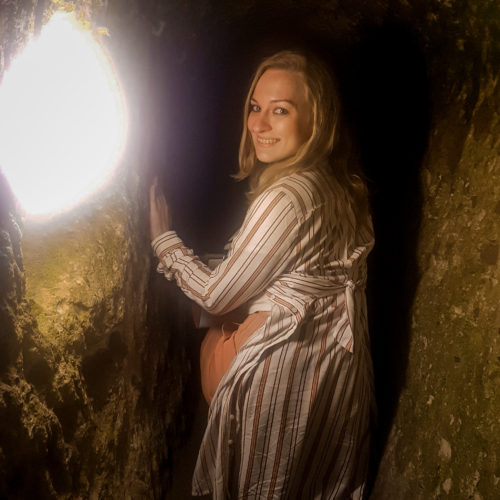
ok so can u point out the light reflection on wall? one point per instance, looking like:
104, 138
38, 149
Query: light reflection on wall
63, 120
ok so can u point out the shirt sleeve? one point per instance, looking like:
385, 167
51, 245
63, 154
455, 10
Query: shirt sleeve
260, 251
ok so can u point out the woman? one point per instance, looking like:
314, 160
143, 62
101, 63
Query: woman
289, 417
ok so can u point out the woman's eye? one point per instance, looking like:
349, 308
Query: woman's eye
281, 111
254, 108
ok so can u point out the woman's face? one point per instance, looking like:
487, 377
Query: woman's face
280, 116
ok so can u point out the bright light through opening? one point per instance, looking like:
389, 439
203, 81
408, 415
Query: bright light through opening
62, 118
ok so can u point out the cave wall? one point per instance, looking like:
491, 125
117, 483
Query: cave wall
420, 86
86, 352
444, 439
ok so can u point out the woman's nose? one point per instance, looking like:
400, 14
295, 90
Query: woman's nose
259, 123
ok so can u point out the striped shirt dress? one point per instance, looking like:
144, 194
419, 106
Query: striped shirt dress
290, 418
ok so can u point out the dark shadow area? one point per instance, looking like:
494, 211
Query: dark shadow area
391, 112
382, 79
169, 314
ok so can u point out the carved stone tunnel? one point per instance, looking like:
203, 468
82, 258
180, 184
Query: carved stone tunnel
98, 359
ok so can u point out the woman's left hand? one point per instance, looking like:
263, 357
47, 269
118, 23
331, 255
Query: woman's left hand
159, 213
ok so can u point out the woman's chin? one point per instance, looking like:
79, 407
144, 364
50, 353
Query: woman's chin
265, 158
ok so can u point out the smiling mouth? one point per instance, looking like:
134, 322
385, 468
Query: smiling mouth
266, 142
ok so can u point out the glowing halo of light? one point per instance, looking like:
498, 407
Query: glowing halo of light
62, 118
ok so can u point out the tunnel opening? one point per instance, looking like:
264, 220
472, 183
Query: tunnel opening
75, 124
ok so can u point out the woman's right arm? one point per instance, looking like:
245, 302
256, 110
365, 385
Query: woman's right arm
262, 249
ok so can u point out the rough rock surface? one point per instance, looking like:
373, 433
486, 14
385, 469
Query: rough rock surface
90, 384
445, 438
85, 411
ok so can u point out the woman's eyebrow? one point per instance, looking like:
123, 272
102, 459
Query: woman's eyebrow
274, 101
289, 101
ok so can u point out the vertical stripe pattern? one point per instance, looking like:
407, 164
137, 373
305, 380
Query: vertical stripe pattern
290, 418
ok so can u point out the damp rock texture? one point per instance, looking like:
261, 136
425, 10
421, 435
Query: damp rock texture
86, 356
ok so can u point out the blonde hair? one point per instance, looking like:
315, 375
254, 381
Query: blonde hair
323, 98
